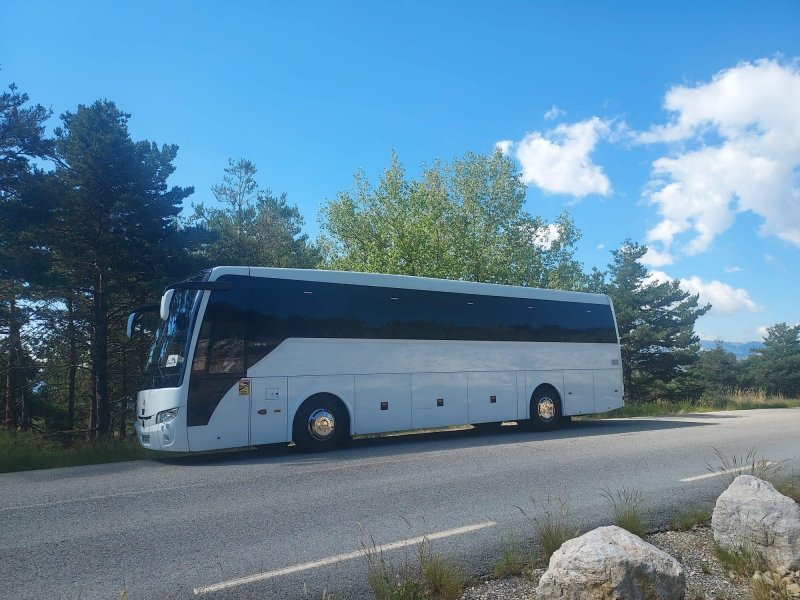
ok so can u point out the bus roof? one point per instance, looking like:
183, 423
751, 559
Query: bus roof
411, 283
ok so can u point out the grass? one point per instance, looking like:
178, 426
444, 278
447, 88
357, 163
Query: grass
627, 507
787, 484
553, 523
735, 399
26, 450
432, 577
691, 518
743, 561
772, 589
512, 562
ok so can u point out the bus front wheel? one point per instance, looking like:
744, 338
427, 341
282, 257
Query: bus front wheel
545, 409
321, 423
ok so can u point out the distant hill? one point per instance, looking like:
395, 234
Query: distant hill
740, 349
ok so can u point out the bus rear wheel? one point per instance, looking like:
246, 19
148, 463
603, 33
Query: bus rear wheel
545, 409
321, 424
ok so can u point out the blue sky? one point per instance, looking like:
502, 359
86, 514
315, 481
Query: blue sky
674, 124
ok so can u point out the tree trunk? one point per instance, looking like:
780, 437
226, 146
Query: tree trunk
123, 403
100, 353
12, 364
73, 364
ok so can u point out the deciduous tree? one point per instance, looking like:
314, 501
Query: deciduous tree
460, 220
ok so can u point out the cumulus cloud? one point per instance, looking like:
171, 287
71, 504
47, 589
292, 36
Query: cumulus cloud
724, 299
559, 161
735, 145
504, 146
655, 258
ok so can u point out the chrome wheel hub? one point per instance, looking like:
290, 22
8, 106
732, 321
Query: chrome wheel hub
321, 424
547, 409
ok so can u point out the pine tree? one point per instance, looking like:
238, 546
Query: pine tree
656, 325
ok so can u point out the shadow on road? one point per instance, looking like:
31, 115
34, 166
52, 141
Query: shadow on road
412, 443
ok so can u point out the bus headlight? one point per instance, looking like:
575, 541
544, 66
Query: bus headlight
165, 416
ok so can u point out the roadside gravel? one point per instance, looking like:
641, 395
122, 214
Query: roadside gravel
694, 549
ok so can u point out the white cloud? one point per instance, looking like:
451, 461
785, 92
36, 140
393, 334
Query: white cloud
504, 146
657, 277
733, 269
736, 142
547, 236
762, 331
559, 160
724, 299
554, 113
654, 258
601, 246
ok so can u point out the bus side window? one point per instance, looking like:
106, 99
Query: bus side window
201, 350
226, 352
221, 341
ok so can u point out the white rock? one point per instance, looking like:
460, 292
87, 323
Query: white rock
611, 563
753, 516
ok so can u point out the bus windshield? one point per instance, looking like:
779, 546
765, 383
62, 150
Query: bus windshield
167, 355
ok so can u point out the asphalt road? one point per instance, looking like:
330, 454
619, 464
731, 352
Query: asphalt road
279, 524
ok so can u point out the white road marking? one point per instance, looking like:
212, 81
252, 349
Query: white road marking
725, 472
341, 557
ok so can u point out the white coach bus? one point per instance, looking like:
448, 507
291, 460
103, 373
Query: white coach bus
248, 356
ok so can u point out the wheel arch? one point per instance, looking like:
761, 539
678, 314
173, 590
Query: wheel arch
327, 396
541, 388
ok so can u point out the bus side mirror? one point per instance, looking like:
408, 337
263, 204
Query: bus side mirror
129, 326
134, 316
166, 300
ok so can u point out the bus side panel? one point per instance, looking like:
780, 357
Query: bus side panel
438, 399
228, 425
383, 403
534, 379
492, 397
301, 388
607, 389
578, 398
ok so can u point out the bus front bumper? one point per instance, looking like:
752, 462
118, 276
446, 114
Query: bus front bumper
158, 436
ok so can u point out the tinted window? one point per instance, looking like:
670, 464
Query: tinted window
221, 342
287, 308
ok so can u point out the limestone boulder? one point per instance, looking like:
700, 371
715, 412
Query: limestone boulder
611, 563
752, 515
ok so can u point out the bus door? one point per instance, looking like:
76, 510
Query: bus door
268, 408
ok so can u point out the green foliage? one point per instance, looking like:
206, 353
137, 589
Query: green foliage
461, 220
656, 326
22, 138
717, 370
691, 518
25, 451
553, 523
776, 366
511, 562
742, 561
254, 227
443, 579
22, 254
432, 576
